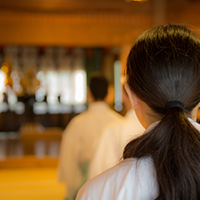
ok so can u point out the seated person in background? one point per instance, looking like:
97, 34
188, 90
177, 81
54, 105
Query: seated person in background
163, 84
113, 140
81, 137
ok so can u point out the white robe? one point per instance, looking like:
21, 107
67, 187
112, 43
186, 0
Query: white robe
78, 144
112, 142
132, 179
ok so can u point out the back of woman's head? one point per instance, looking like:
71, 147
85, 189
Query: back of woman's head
164, 66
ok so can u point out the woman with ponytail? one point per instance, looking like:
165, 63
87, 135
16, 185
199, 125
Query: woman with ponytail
163, 83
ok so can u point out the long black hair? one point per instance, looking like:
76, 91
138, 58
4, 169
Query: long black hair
164, 65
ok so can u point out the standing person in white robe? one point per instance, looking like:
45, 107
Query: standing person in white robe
81, 137
113, 140
163, 84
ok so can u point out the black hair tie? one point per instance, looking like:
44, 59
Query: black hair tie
172, 104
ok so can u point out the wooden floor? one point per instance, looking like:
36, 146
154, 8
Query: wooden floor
30, 184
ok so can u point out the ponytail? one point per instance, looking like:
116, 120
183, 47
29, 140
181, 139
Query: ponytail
174, 146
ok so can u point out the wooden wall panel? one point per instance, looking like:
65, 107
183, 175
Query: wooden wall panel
74, 30
73, 23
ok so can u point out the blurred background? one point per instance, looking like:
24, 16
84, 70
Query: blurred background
48, 48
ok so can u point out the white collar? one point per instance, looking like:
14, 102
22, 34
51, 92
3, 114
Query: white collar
153, 125
99, 105
130, 113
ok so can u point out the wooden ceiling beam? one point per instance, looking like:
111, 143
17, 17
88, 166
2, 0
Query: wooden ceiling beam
74, 5
88, 27
75, 29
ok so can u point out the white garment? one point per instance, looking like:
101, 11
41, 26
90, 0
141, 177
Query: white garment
132, 179
112, 142
79, 141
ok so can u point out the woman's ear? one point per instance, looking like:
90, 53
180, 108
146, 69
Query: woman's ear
132, 97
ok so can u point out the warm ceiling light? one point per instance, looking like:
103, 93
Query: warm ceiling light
135, 0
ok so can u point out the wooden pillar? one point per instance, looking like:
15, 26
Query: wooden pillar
123, 56
159, 15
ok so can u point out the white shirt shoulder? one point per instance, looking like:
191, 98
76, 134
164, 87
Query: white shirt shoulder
130, 179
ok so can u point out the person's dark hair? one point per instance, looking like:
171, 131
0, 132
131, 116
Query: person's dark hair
164, 65
98, 86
